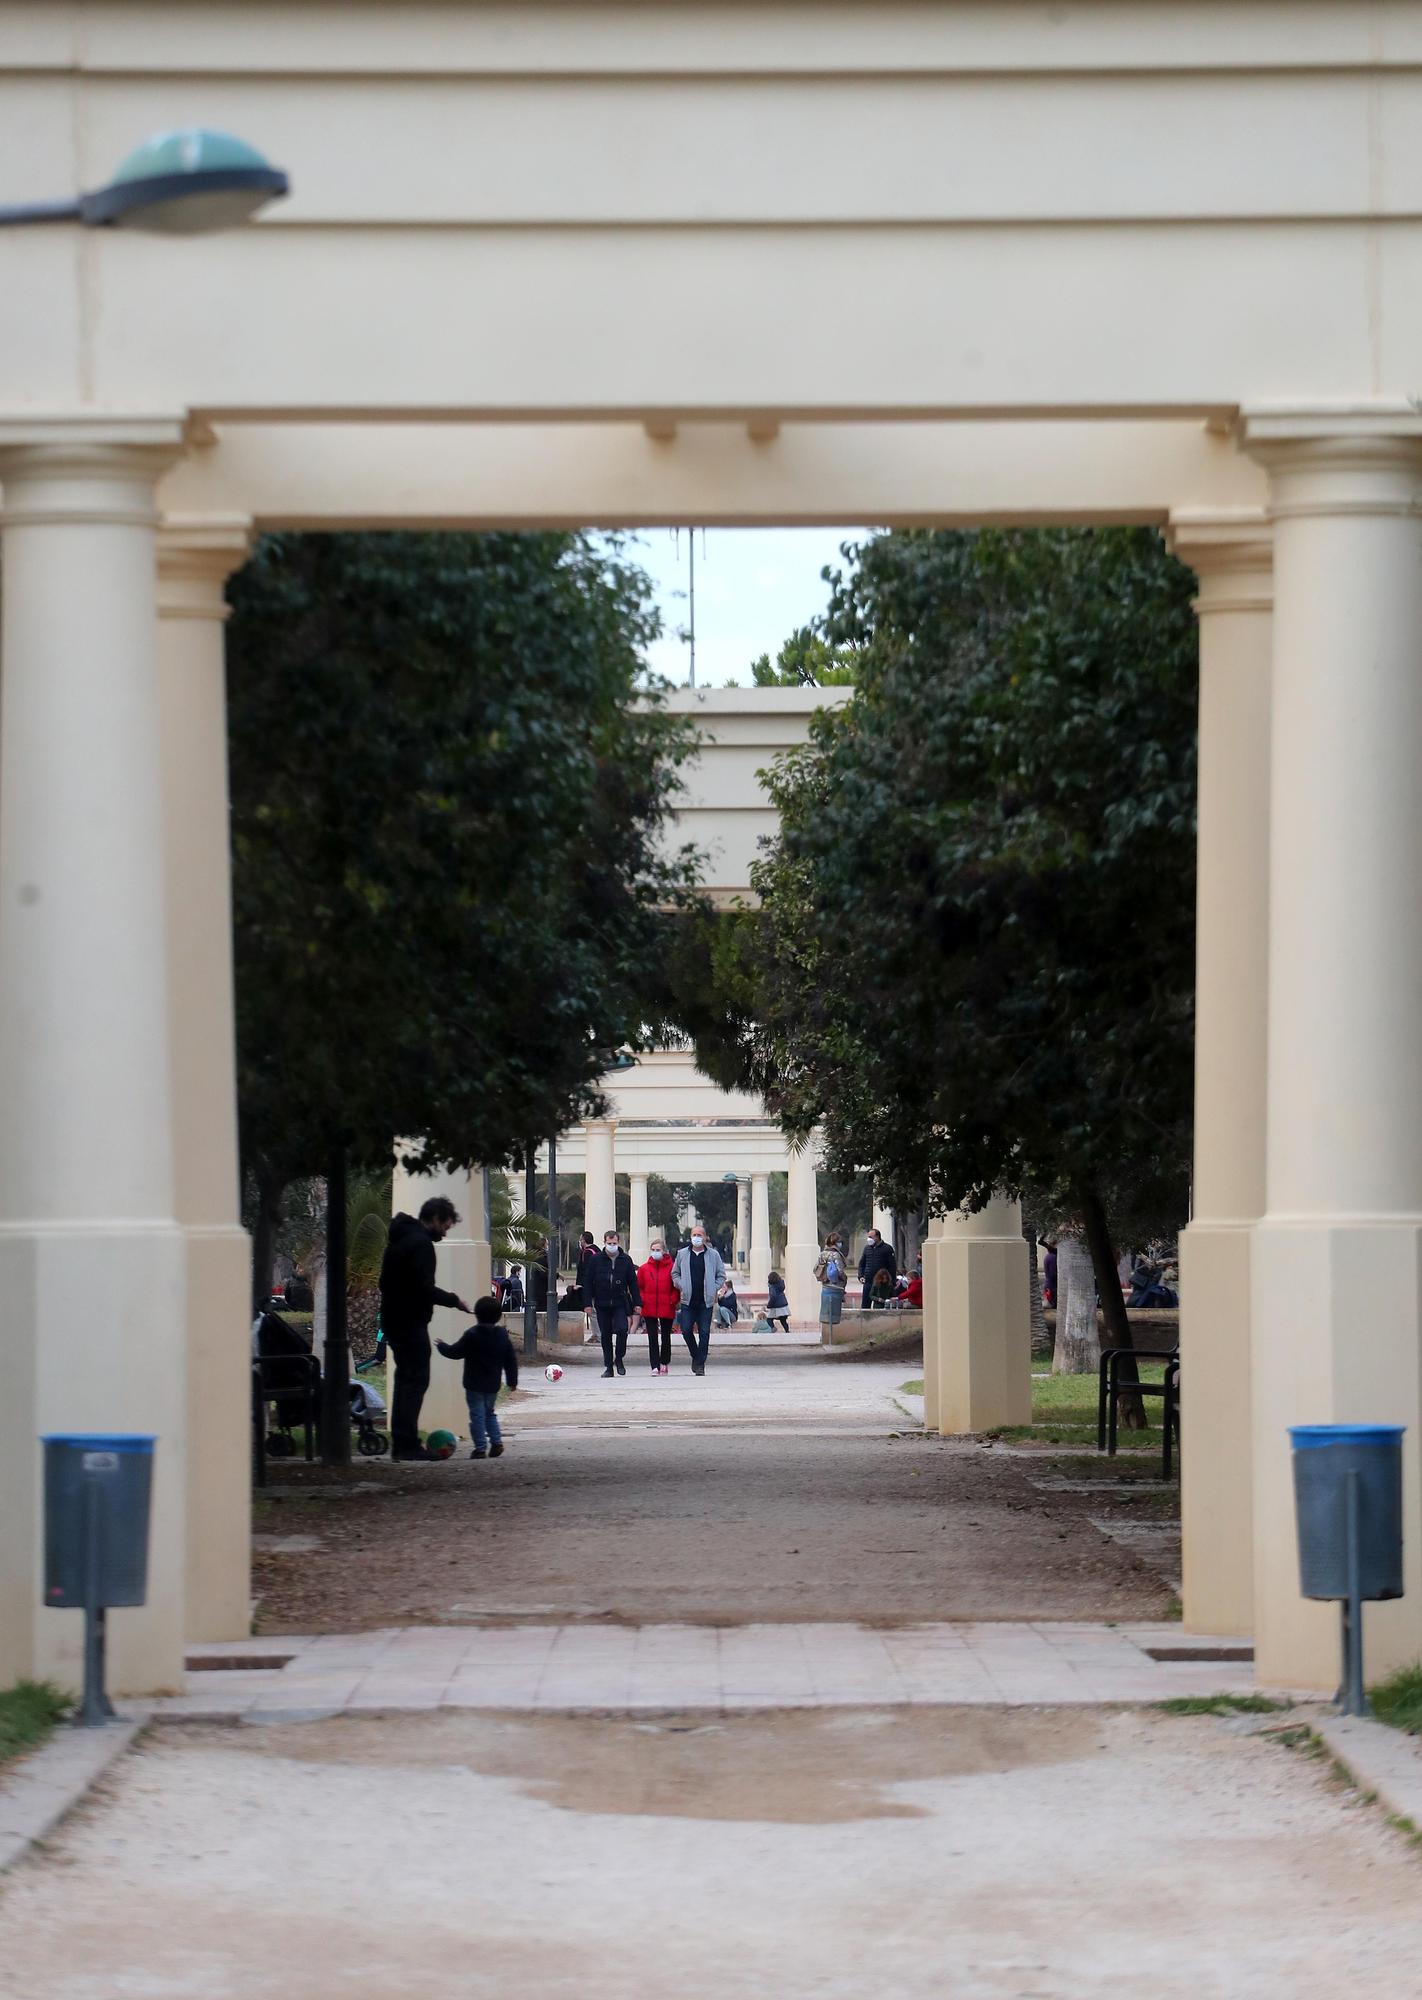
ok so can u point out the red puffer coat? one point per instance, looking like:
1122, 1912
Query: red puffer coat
660, 1298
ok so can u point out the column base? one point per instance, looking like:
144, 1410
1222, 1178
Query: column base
219, 1425
1337, 1319
984, 1334
92, 1338
1216, 1496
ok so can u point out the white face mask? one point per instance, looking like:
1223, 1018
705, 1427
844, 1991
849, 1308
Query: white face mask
657, 1256
611, 1243
698, 1242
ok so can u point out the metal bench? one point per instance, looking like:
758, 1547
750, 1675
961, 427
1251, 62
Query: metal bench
1109, 1386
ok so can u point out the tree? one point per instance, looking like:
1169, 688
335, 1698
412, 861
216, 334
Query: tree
448, 817
807, 660
974, 960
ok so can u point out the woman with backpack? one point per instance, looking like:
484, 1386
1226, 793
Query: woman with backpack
832, 1271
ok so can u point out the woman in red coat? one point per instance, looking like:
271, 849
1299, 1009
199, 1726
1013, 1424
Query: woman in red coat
659, 1305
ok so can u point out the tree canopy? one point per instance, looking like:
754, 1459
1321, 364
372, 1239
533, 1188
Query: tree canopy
448, 816
974, 963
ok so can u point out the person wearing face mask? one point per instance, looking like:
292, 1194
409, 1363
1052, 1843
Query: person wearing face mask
700, 1277
659, 1302
615, 1298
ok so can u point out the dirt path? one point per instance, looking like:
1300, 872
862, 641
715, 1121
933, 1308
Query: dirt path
787, 1491
770, 1857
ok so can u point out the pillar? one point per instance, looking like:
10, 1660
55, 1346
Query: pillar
1337, 1259
932, 1314
600, 1187
743, 1221
883, 1219
802, 1233
1233, 559
984, 1321
195, 558
758, 1272
92, 1287
464, 1265
639, 1231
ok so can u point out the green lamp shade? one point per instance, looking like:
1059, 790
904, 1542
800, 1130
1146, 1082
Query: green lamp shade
186, 182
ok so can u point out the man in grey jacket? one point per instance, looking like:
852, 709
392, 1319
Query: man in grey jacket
700, 1278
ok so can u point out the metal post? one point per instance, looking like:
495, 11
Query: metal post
1355, 1702
96, 1708
335, 1386
530, 1314
552, 1320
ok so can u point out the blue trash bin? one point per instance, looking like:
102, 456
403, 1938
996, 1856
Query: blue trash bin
97, 1489
1324, 1456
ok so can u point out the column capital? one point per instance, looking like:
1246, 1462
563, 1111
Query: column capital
1231, 551
599, 1125
1361, 458
99, 474
196, 555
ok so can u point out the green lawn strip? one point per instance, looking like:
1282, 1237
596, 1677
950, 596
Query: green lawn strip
911, 1388
28, 1712
1398, 1700
1221, 1704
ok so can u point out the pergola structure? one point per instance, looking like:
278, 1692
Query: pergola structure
581, 261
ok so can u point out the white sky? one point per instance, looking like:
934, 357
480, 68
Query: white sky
754, 587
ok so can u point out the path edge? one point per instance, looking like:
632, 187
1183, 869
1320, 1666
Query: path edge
1384, 1762
47, 1785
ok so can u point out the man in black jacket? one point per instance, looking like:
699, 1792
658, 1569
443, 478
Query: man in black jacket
408, 1297
489, 1358
877, 1256
613, 1277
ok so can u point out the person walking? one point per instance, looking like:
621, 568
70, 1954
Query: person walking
513, 1295
489, 1358
832, 1274
699, 1275
877, 1256
582, 1279
615, 1297
659, 1297
777, 1305
408, 1297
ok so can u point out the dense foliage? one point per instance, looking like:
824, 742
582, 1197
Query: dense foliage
448, 816
974, 963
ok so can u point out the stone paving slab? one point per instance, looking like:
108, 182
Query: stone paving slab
657, 1667
1378, 1759
37, 1792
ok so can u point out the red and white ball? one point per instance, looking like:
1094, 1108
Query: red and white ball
553, 1373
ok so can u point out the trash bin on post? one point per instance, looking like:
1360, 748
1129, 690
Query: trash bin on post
96, 1506
1348, 1502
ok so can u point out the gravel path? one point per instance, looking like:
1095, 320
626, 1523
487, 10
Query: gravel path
943, 1851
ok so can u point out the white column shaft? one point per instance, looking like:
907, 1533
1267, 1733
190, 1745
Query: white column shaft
802, 1229
759, 1265
743, 1220
1233, 560
195, 559
639, 1229
983, 1321
884, 1222
1337, 1298
600, 1186
91, 1257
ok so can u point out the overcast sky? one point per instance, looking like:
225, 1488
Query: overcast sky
754, 587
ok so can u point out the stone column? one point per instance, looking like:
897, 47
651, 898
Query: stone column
463, 1264
92, 1282
195, 558
743, 1221
883, 1219
1233, 559
600, 1187
639, 1231
932, 1315
802, 1230
759, 1268
1337, 1259
984, 1321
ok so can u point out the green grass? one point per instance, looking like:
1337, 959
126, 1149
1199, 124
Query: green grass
1398, 1701
28, 1712
911, 1388
1064, 1412
1221, 1704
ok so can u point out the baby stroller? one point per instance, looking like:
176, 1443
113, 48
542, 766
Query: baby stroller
287, 1384
368, 1413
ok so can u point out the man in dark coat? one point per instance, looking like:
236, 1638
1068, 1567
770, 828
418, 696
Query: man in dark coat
408, 1297
877, 1256
615, 1294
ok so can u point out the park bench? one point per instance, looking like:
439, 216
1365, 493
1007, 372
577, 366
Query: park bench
1109, 1386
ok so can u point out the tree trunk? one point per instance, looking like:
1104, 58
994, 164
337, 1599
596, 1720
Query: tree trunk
336, 1359
269, 1194
1113, 1304
1078, 1350
1036, 1314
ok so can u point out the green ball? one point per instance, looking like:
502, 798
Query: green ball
441, 1444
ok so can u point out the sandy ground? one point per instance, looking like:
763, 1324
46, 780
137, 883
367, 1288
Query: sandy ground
786, 1490
942, 1851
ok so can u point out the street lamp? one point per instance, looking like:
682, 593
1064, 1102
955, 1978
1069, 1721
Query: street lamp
184, 183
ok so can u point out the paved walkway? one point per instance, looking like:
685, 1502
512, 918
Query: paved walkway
659, 1667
